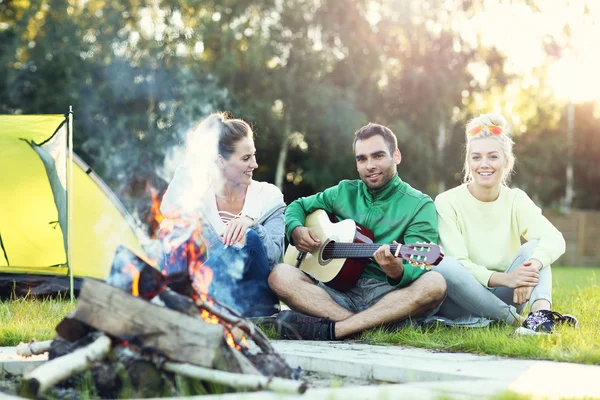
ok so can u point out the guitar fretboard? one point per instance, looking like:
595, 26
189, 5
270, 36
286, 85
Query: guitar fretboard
366, 250
353, 250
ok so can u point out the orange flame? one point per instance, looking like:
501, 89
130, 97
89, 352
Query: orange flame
231, 341
155, 217
135, 274
192, 253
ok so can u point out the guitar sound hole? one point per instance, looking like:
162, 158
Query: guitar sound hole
327, 252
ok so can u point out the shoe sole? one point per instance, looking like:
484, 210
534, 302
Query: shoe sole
528, 332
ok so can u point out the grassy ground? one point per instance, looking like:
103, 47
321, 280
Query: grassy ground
24, 319
576, 291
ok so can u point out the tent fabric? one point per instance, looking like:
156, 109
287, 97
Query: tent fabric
33, 214
100, 224
29, 229
36, 285
32, 128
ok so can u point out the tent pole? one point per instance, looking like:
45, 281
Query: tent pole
70, 202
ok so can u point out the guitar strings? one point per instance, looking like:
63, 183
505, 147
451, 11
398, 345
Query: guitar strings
366, 250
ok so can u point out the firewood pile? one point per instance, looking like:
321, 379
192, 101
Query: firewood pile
142, 330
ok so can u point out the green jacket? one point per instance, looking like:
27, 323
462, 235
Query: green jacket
394, 212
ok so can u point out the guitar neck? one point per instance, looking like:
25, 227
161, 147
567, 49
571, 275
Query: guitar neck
353, 250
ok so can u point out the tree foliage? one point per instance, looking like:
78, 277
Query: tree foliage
305, 73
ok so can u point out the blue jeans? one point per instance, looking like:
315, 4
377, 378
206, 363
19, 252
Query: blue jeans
467, 297
239, 274
240, 277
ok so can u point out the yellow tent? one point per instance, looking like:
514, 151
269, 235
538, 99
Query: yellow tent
34, 214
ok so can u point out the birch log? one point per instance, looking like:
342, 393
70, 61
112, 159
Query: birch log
50, 373
33, 348
252, 382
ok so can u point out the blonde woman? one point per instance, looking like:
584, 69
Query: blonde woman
481, 223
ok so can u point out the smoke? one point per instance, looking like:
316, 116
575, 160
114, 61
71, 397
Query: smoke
192, 179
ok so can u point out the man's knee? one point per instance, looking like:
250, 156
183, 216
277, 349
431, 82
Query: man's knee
282, 278
276, 277
433, 289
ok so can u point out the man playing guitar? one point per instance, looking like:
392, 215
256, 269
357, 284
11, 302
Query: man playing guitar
390, 289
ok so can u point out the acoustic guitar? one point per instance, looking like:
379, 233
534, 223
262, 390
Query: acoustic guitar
346, 248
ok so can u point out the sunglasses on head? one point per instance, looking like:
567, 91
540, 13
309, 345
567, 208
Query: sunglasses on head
493, 129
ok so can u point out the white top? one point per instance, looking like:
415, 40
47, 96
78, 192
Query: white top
261, 197
182, 199
226, 216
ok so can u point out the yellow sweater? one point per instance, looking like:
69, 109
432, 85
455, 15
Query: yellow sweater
485, 236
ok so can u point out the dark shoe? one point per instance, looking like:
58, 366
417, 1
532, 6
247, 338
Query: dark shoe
296, 326
542, 322
567, 319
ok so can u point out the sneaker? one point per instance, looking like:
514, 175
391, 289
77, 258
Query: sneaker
567, 319
542, 322
296, 326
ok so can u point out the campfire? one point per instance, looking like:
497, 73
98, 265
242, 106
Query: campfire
144, 327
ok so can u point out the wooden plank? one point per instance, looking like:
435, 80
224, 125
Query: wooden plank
178, 336
580, 235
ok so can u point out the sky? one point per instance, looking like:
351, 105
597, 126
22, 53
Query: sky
520, 34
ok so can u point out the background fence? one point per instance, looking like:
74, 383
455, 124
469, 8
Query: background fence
581, 230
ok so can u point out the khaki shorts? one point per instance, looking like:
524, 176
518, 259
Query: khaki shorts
363, 295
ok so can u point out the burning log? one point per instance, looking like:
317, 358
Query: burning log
117, 313
72, 329
132, 273
231, 359
269, 362
33, 348
237, 380
47, 375
235, 322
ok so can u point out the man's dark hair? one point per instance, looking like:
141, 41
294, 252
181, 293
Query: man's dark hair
371, 130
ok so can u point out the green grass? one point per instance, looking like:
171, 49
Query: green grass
576, 291
28, 318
